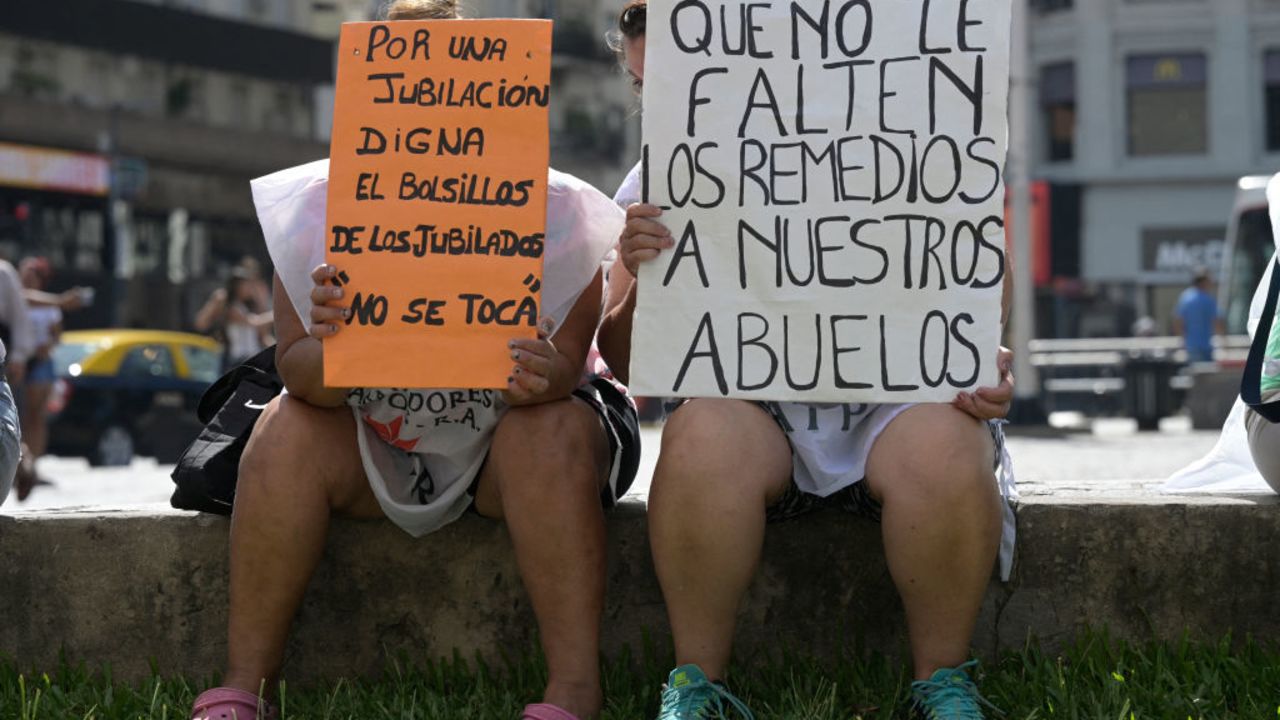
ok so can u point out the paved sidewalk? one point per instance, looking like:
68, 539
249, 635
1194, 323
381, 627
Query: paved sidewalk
1114, 458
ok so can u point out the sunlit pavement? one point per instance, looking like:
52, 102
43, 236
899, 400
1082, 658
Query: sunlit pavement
1113, 456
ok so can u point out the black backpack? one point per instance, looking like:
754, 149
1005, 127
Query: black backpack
1250, 385
206, 473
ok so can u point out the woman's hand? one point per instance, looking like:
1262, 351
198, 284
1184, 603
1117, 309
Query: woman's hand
327, 313
541, 372
643, 237
991, 403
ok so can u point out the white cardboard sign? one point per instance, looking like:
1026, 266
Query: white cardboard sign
831, 171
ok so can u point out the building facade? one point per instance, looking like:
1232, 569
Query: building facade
174, 108
1148, 112
130, 129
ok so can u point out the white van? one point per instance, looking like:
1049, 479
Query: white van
1250, 247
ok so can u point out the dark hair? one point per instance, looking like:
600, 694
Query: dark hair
631, 25
631, 21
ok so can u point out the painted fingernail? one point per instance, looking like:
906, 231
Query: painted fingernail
510, 379
333, 328
330, 270
516, 371
347, 313
515, 355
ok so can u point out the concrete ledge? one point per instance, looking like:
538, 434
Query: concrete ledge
130, 587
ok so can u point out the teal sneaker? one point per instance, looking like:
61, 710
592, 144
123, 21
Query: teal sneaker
689, 695
949, 694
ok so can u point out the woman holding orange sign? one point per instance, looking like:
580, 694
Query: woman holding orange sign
547, 454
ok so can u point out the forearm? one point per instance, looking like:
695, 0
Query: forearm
614, 338
301, 366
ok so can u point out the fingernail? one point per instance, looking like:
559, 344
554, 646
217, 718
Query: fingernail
346, 313
511, 343
330, 270
515, 354
516, 371
510, 379
336, 292
333, 328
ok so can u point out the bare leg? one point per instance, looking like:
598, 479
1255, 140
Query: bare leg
34, 425
722, 463
301, 463
544, 475
941, 525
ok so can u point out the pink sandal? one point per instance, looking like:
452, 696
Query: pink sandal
226, 703
544, 711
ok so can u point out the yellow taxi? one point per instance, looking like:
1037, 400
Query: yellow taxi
122, 393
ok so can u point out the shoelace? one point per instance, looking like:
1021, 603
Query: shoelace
955, 694
694, 701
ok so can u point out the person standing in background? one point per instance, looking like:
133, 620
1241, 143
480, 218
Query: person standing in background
1197, 318
46, 328
233, 317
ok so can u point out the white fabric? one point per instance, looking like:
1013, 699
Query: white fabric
1229, 466
13, 312
243, 339
43, 318
422, 448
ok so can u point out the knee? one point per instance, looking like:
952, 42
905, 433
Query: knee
557, 441
717, 446
286, 436
960, 465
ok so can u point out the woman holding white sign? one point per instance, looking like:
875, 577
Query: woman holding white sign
546, 454
728, 467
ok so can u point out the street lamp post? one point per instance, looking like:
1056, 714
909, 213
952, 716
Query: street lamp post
1018, 175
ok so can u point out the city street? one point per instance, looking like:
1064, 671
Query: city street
1114, 455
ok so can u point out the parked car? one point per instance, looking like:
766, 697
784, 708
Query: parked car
126, 392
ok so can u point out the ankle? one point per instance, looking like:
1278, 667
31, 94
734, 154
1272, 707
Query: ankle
253, 682
583, 699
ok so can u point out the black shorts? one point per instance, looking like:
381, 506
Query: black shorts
855, 498
622, 429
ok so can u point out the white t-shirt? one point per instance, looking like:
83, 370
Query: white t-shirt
423, 448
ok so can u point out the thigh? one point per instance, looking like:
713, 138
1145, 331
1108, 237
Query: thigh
928, 446
1264, 445
298, 444
546, 444
737, 442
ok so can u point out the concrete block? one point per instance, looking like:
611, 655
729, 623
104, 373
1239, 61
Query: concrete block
134, 587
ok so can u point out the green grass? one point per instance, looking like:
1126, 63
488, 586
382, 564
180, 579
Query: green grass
1096, 679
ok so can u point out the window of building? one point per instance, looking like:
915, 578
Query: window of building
1058, 103
1271, 72
1167, 104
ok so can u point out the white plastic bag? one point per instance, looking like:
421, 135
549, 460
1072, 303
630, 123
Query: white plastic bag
1229, 468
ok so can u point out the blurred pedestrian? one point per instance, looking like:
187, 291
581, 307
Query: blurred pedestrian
234, 317
1197, 318
46, 328
17, 343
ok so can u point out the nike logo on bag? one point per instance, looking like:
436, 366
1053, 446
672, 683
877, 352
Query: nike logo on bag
254, 406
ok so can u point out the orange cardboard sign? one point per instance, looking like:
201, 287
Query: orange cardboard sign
437, 199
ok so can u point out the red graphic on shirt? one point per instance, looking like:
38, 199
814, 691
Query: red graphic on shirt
390, 433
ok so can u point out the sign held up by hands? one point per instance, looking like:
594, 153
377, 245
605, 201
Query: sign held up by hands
437, 199
831, 171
